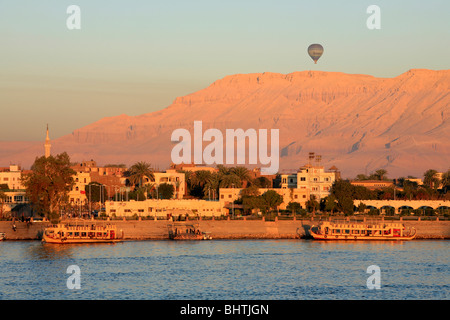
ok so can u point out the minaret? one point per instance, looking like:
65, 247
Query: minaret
47, 145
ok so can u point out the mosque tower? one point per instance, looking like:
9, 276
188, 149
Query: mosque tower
47, 145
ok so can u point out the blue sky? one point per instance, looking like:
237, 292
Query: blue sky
136, 57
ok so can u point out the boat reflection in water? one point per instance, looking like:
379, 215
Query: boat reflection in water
362, 231
66, 233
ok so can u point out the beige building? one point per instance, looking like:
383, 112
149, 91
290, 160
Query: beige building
314, 179
12, 199
373, 184
171, 176
87, 172
12, 177
163, 208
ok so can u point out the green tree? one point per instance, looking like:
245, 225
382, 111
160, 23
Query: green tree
430, 179
272, 199
166, 191
230, 181
446, 180
2, 201
48, 184
254, 202
242, 173
262, 182
380, 174
361, 177
329, 203
95, 192
294, 207
138, 172
312, 204
343, 191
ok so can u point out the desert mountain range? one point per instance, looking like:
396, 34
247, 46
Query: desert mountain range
358, 123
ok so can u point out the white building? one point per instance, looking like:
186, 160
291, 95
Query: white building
316, 180
12, 177
161, 208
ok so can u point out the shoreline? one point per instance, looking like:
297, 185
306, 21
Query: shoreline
148, 230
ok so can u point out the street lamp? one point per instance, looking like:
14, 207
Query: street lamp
232, 199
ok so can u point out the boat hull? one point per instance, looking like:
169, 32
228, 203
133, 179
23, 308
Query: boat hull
65, 241
352, 237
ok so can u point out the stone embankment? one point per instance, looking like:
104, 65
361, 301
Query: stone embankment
219, 229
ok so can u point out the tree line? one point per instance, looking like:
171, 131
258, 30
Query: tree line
51, 179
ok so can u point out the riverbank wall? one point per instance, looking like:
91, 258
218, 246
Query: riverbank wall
219, 229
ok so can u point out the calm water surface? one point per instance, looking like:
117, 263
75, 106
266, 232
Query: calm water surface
213, 270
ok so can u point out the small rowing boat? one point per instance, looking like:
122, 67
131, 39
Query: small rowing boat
182, 231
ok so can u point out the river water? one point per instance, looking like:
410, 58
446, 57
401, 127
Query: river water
225, 269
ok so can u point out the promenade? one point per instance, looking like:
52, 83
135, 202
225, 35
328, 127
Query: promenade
220, 229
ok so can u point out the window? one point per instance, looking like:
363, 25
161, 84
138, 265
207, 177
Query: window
302, 179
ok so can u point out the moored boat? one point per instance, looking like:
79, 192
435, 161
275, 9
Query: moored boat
66, 233
362, 231
182, 231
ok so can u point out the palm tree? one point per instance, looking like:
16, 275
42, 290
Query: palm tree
201, 177
139, 171
222, 170
430, 178
361, 177
212, 184
380, 174
445, 180
242, 173
230, 180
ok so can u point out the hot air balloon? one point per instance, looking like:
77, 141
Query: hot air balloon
315, 51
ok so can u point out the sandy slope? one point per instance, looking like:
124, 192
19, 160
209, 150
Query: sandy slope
357, 122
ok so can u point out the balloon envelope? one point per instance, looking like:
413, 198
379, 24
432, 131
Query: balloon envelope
315, 51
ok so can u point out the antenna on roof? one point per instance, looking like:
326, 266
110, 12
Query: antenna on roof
318, 159
311, 157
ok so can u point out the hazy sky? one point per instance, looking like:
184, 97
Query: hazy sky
136, 57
